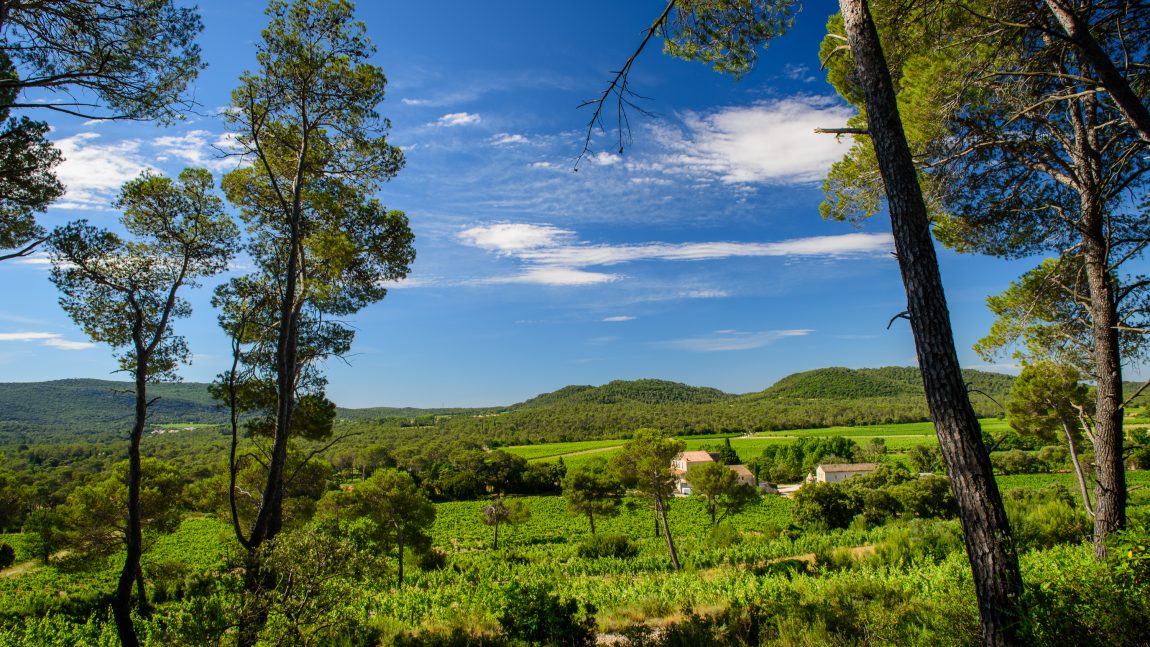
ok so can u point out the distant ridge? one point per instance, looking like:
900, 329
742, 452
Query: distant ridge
645, 391
837, 383
77, 410
81, 407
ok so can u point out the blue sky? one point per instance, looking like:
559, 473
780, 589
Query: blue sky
697, 256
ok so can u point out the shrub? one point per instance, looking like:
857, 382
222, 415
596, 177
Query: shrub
1073, 600
7, 555
533, 613
1046, 517
724, 535
927, 497
616, 546
919, 542
829, 504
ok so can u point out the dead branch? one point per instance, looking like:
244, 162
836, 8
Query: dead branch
624, 97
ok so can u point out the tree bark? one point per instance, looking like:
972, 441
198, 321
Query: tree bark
591, 518
142, 605
989, 545
1110, 484
122, 601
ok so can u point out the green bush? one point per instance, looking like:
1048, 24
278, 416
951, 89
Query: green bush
927, 497
826, 504
533, 613
616, 546
1045, 518
1073, 600
724, 535
919, 542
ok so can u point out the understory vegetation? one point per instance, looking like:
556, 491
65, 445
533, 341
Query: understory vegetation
877, 559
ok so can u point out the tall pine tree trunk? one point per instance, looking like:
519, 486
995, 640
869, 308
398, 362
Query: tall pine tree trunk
122, 601
989, 545
1110, 488
1110, 484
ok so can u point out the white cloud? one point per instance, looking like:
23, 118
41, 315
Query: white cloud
833, 246
198, 148
730, 340
706, 294
770, 143
27, 336
39, 259
64, 344
554, 256
93, 172
556, 276
415, 102
510, 238
503, 139
458, 119
619, 318
605, 159
50, 339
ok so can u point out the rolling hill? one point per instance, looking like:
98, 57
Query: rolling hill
83, 409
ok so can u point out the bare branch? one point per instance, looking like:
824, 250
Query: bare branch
618, 88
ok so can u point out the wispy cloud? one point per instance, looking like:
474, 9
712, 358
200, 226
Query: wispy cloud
619, 318
767, 143
198, 148
555, 276
731, 340
93, 171
510, 238
555, 256
458, 119
50, 339
504, 139
94, 168
706, 294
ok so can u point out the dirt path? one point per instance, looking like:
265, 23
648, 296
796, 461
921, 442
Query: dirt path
22, 568
578, 453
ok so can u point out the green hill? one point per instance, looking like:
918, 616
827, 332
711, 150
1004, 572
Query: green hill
628, 391
96, 407
81, 410
838, 383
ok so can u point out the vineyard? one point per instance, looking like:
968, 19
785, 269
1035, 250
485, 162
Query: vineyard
914, 574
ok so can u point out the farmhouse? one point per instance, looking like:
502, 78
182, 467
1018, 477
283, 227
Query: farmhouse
835, 472
686, 460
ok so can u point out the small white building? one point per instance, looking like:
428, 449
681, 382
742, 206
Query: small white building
836, 472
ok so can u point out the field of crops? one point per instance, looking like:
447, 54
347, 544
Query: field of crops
755, 556
898, 437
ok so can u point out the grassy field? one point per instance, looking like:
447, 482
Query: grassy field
898, 437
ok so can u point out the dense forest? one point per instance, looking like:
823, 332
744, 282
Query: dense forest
67, 410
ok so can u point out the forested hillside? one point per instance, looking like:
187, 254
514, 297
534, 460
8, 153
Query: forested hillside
67, 410
70, 409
